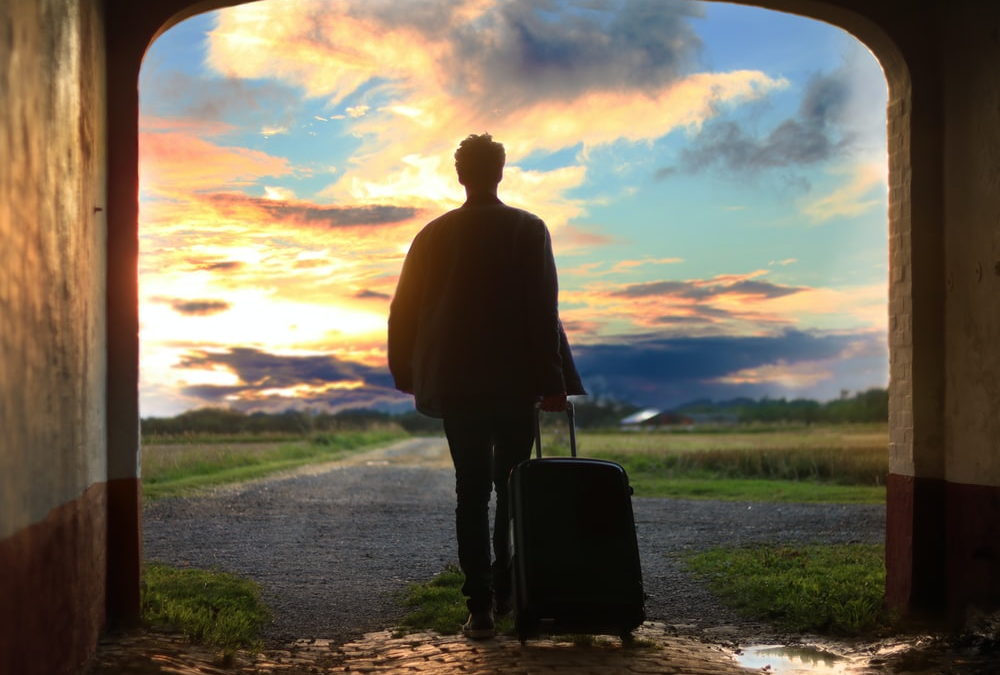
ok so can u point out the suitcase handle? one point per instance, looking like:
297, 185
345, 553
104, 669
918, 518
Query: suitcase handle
570, 416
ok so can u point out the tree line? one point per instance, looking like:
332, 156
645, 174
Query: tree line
871, 405
867, 406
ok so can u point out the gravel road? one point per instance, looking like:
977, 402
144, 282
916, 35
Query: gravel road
333, 545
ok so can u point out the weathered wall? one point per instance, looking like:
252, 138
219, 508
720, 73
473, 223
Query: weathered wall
52, 336
970, 67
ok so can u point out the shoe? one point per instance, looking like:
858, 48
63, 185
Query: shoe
479, 626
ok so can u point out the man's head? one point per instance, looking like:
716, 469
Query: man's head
479, 162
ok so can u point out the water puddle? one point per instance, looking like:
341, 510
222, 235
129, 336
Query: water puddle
782, 660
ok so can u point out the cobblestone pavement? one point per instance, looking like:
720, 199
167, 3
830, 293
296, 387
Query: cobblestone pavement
422, 653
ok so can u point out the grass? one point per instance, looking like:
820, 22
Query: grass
214, 608
436, 605
833, 590
180, 468
833, 463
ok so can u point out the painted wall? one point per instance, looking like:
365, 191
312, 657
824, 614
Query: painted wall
52, 335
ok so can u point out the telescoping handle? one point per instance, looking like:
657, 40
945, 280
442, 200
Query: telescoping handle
570, 416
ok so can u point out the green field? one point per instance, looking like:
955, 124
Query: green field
828, 463
180, 467
821, 463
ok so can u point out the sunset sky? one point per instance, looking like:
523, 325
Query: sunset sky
713, 176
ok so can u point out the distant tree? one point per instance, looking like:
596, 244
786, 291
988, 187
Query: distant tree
596, 413
201, 420
417, 423
359, 419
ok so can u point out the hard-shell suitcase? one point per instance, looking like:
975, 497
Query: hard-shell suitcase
574, 557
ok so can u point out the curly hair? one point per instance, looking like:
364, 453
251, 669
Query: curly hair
479, 161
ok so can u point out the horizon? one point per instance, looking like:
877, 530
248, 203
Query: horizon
722, 404
714, 178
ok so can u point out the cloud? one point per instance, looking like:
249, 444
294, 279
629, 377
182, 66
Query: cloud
269, 381
173, 162
648, 371
178, 94
539, 75
666, 372
369, 294
706, 290
530, 50
866, 188
258, 368
307, 213
215, 266
539, 50
199, 307
731, 304
840, 123
813, 137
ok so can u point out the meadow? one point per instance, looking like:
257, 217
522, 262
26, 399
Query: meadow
817, 463
183, 464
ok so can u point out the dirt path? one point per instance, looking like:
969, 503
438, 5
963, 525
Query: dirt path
333, 545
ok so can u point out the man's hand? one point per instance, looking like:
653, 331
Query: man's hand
555, 403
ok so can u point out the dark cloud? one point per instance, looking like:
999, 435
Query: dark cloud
219, 266
260, 371
550, 49
701, 291
650, 371
663, 373
368, 294
263, 370
816, 134
329, 216
199, 307
664, 172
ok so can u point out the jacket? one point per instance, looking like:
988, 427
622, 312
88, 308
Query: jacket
475, 318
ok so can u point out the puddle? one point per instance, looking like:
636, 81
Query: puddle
782, 660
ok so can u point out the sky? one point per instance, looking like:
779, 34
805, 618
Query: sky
714, 178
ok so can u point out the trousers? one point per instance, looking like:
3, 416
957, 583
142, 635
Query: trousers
484, 448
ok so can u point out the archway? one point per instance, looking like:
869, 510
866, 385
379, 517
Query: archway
129, 33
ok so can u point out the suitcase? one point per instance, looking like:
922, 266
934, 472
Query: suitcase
574, 557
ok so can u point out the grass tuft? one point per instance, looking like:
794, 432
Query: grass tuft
438, 604
215, 608
829, 589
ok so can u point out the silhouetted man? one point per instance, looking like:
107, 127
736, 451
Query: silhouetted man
475, 336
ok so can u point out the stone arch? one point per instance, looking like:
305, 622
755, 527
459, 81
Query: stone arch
892, 30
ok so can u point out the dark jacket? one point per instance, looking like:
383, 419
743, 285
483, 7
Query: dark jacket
475, 316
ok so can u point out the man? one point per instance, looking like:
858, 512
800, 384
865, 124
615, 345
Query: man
475, 336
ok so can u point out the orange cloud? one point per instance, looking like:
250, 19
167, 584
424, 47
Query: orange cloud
731, 304
177, 161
